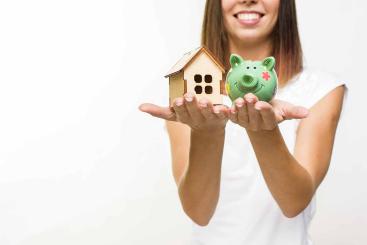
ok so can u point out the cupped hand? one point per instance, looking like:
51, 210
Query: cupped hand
200, 115
256, 115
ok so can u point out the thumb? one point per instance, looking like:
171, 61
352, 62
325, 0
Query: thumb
158, 111
294, 112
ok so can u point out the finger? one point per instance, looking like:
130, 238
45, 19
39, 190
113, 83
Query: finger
233, 114
267, 114
220, 111
243, 116
181, 111
206, 108
254, 115
192, 107
158, 111
250, 98
288, 111
295, 112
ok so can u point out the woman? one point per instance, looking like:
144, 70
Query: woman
243, 177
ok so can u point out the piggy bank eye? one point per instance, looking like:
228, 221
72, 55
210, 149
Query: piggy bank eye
248, 67
255, 67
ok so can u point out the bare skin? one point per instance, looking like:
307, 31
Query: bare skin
291, 179
191, 126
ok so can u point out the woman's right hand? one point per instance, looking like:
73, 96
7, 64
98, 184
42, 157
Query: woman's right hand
200, 116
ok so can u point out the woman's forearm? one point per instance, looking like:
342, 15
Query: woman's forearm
290, 184
199, 186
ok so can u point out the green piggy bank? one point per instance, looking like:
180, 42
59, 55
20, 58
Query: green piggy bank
246, 76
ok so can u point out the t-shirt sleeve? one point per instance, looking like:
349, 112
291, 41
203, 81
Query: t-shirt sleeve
323, 84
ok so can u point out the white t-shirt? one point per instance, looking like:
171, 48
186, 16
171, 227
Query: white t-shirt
246, 213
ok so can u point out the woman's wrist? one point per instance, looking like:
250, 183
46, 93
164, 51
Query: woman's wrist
213, 132
263, 133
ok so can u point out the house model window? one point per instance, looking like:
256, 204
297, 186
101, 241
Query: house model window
199, 87
200, 72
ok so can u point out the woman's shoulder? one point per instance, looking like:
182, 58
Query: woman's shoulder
320, 77
311, 85
313, 77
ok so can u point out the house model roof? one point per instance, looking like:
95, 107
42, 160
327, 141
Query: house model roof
189, 57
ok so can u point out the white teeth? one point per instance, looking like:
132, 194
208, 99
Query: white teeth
250, 16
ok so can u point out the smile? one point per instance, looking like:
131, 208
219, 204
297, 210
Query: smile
248, 17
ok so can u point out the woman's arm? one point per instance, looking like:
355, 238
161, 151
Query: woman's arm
196, 162
293, 180
196, 131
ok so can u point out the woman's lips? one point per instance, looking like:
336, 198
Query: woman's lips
249, 18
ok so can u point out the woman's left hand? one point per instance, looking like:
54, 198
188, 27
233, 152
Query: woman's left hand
256, 115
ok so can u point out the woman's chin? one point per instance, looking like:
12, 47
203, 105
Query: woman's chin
250, 37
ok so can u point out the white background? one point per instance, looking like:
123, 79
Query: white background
79, 164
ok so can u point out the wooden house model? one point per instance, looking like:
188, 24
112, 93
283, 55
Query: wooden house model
200, 72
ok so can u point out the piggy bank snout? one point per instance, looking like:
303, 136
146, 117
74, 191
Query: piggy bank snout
248, 82
248, 78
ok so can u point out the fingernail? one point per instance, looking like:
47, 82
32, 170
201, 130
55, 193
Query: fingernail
304, 111
250, 100
216, 111
179, 102
188, 98
203, 105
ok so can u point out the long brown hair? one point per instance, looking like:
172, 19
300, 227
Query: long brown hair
287, 48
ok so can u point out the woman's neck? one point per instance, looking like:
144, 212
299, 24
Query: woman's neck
257, 51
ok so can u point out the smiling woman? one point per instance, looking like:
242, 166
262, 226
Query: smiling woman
243, 23
248, 174
275, 28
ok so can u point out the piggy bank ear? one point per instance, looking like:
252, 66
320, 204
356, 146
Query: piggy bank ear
235, 60
269, 63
